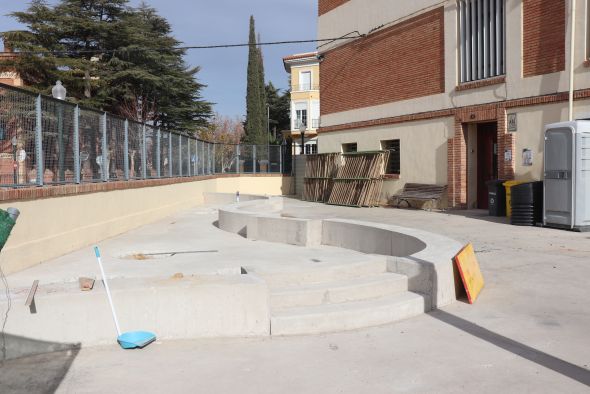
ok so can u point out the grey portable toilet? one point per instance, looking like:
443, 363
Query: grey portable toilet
567, 175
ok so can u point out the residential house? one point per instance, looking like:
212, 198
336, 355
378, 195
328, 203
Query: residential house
305, 100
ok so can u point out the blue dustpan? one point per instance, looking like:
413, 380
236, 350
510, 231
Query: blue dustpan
136, 339
127, 340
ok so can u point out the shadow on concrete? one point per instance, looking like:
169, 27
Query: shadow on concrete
558, 365
34, 366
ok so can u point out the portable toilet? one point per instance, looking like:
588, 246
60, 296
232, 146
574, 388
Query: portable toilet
567, 175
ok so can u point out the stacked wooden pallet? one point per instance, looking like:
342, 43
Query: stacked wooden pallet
360, 179
319, 171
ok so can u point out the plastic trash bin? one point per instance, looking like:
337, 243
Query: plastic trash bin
496, 198
508, 185
527, 204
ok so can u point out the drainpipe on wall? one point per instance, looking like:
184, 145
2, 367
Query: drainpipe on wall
572, 59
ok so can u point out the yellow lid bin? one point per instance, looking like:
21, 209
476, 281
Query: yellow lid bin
508, 185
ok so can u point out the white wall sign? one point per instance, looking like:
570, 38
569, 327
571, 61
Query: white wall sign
508, 155
512, 123
527, 157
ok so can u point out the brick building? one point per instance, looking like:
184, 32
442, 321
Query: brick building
458, 90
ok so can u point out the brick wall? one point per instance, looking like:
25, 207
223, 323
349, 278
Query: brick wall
544, 23
328, 5
401, 62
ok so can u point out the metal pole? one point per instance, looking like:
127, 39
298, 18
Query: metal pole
158, 153
170, 154
143, 153
62, 153
179, 155
238, 158
77, 144
39, 141
105, 151
253, 159
280, 159
572, 59
188, 156
214, 158
126, 150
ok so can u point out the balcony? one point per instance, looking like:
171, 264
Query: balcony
304, 87
315, 123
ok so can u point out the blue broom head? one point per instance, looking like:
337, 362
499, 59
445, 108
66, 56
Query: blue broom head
136, 339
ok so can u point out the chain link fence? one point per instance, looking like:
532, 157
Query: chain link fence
45, 141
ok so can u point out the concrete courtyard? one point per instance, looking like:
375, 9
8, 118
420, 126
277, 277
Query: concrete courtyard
528, 331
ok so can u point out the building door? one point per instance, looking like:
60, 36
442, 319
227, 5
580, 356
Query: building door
487, 160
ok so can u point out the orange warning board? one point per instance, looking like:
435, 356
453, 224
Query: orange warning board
470, 272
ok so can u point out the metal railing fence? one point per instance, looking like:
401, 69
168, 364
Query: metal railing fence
44, 141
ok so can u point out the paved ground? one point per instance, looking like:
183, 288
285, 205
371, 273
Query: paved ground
528, 332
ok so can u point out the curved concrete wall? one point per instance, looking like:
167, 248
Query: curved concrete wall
425, 258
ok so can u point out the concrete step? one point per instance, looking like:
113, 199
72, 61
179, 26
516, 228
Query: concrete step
347, 316
282, 277
356, 289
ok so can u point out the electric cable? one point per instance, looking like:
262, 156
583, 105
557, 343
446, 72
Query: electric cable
183, 48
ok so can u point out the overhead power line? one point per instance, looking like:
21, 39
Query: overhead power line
183, 48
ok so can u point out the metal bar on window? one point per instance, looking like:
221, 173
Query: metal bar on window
467, 18
473, 39
461, 21
480, 65
499, 37
493, 41
486, 39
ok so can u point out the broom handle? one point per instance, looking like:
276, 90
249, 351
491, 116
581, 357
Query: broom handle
106, 286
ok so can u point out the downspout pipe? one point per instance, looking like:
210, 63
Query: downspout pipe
572, 59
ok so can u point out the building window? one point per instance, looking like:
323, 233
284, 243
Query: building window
349, 148
311, 149
393, 164
305, 80
482, 38
301, 118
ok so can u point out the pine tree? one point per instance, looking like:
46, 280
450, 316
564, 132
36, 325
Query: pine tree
255, 126
101, 65
280, 108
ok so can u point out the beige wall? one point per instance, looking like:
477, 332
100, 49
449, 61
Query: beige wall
51, 227
423, 147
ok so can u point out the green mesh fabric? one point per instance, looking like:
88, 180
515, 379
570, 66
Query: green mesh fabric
6, 225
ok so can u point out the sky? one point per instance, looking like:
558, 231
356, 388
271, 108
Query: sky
200, 22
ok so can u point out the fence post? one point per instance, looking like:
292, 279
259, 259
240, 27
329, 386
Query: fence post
77, 144
189, 158
39, 141
170, 154
126, 150
179, 154
105, 150
253, 159
238, 158
214, 157
143, 153
158, 153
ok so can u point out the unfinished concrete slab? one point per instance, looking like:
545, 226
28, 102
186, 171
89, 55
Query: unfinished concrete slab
527, 332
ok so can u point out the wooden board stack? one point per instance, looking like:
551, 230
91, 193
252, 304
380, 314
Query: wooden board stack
360, 180
319, 172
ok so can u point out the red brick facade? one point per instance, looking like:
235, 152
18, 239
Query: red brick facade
328, 5
405, 61
544, 24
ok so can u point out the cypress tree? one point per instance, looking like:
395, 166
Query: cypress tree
255, 126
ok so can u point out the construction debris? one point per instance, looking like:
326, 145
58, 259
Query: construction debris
86, 284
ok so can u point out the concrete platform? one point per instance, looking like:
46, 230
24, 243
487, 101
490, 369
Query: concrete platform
528, 332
